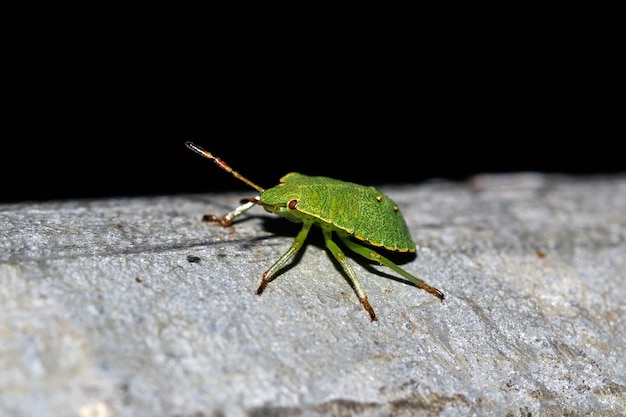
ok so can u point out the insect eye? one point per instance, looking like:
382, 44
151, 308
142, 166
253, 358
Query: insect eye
292, 204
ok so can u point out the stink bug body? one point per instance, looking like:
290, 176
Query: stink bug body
355, 213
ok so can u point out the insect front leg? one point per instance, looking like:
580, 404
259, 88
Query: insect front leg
228, 219
354, 281
270, 274
376, 257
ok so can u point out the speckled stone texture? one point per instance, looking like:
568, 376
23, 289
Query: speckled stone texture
135, 307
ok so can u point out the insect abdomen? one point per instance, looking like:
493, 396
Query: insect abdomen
361, 211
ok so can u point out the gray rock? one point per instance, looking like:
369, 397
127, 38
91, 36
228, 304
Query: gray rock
134, 307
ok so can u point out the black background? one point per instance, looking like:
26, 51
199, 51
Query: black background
101, 98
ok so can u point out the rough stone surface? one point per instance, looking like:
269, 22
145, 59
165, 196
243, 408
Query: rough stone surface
134, 307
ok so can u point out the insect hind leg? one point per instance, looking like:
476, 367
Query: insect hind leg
376, 257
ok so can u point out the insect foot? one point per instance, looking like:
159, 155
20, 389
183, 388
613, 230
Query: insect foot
221, 221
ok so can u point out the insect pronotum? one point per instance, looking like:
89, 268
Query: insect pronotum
355, 213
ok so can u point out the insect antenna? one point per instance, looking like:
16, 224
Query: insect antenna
197, 149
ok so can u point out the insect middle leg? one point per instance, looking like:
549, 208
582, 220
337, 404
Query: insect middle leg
356, 284
270, 274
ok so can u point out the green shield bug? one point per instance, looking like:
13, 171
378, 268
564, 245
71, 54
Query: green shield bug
362, 217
